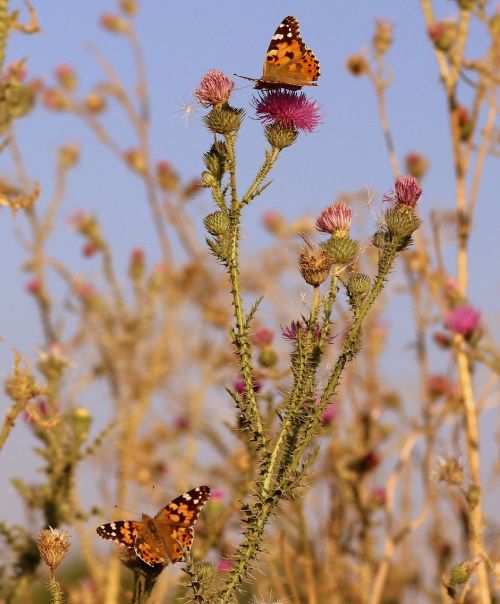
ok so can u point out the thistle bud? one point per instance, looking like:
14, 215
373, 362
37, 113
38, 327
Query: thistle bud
129, 7
66, 77
81, 420
383, 37
137, 264
267, 357
167, 178
416, 165
217, 223
401, 221
68, 156
114, 23
55, 100
443, 34
314, 265
465, 4
465, 123
208, 180
215, 159
359, 285
357, 65
224, 120
279, 135
473, 495
136, 160
342, 250
95, 103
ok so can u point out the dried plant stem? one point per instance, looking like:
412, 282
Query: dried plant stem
473, 457
4, 30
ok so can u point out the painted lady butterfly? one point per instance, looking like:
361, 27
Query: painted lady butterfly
289, 63
162, 539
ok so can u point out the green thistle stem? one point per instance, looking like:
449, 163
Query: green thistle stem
56, 594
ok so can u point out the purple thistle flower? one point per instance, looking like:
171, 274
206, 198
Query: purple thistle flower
329, 414
224, 565
240, 388
463, 319
217, 495
336, 219
215, 88
291, 332
291, 109
406, 192
263, 336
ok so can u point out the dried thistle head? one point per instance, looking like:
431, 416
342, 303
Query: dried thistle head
314, 265
53, 545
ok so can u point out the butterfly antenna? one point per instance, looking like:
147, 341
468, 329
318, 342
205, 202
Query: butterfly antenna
117, 507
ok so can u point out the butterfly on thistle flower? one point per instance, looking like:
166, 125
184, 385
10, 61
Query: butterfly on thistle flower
289, 63
164, 538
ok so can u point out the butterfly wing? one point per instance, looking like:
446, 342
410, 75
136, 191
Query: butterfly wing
177, 518
289, 63
123, 532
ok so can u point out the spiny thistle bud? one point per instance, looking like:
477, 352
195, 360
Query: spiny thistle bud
357, 65
461, 573
443, 34
416, 165
336, 220
314, 265
465, 123
215, 89
52, 363
21, 385
136, 160
383, 37
342, 250
217, 223
401, 222
55, 100
68, 156
129, 7
267, 357
114, 23
359, 285
168, 179
224, 120
53, 545
137, 264
208, 180
94, 103
280, 136
215, 159
66, 77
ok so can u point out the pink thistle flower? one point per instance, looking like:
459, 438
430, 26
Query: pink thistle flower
89, 250
329, 415
378, 496
336, 219
263, 336
217, 495
224, 565
215, 88
273, 221
34, 286
182, 423
463, 319
240, 387
291, 332
406, 192
291, 109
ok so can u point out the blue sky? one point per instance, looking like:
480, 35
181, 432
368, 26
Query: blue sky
183, 39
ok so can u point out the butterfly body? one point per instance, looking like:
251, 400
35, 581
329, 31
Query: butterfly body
289, 63
164, 538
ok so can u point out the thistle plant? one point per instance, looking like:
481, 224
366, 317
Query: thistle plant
285, 457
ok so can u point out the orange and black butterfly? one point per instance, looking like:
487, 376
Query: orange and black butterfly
289, 63
164, 538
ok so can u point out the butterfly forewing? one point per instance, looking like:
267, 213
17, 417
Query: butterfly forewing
185, 509
123, 532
